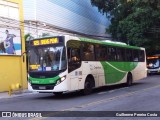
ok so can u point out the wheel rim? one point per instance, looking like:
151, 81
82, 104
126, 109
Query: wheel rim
87, 87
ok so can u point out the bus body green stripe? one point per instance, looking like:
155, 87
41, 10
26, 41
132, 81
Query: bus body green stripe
108, 43
44, 80
115, 71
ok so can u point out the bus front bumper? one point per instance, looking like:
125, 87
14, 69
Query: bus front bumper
150, 71
62, 87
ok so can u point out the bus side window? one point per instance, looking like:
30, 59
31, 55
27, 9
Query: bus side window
135, 56
128, 55
101, 52
141, 56
88, 52
112, 54
73, 55
120, 54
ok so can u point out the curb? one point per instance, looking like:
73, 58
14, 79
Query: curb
15, 94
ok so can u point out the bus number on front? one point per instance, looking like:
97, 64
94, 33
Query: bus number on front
45, 41
36, 42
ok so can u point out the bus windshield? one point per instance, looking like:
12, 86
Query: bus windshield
153, 63
47, 58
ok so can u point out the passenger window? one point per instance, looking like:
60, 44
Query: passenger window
88, 52
120, 54
128, 55
101, 52
111, 54
141, 56
73, 54
135, 56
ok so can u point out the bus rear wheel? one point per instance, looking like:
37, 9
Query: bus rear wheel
88, 86
129, 79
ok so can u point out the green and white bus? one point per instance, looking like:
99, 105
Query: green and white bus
67, 63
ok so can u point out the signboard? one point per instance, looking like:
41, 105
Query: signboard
46, 41
10, 41
152, 57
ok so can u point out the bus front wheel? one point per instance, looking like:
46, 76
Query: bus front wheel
88, 86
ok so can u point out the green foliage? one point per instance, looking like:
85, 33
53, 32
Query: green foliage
136, 22
27, 38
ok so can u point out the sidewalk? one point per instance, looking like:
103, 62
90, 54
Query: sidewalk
15, 93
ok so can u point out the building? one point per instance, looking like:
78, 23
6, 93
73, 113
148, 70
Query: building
42, 17
12, 45
63, 17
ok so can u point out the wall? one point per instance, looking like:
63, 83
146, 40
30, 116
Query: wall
12, 67
75, 15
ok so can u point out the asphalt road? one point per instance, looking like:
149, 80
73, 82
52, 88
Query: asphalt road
144, 95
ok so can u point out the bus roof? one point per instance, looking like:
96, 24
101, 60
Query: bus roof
108, 42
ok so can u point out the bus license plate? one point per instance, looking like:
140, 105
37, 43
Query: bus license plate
42, 87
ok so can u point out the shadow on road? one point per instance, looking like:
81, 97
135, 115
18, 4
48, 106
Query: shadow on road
76, 94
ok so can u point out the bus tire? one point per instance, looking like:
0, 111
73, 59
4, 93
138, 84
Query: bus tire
88, 86
57, 93
129, 79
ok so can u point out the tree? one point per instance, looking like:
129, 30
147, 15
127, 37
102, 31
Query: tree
136, 22
27, 38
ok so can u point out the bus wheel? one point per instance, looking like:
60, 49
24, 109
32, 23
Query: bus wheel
88, 86
57, 93
129, 79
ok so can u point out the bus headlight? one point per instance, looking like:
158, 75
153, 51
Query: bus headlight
61, 80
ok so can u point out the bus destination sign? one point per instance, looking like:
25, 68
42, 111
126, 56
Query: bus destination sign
45, 41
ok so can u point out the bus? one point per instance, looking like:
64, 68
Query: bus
67, 63
153, 64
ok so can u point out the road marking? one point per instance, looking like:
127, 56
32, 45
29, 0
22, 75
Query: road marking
110, 91
14, 95
102, 101
112, 98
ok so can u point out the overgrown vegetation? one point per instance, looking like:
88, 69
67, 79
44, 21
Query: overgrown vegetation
136, 22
